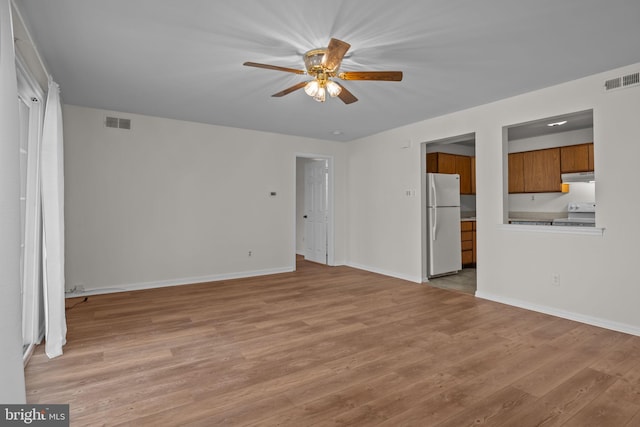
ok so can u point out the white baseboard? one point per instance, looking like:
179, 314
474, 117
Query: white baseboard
589, 320
415, 279
178, 282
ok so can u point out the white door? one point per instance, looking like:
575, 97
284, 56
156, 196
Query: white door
316, 210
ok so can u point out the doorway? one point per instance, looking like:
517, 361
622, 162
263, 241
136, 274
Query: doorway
314, 224
454, 155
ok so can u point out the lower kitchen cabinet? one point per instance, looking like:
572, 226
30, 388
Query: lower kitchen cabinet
468, 243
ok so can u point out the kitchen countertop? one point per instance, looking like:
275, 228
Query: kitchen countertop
468, 216
536, 216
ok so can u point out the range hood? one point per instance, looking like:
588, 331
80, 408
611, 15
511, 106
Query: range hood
568, 178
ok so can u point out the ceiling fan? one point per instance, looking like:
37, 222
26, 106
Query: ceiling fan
322, 64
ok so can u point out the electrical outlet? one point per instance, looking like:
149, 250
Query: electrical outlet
250, 253
555, 279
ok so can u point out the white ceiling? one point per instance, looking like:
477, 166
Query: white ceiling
182, 59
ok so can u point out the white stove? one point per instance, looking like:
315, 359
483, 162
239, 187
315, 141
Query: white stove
581, 214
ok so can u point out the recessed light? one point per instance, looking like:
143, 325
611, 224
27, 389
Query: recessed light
557, 123
337, 132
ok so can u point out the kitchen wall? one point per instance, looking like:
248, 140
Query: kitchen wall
560, 139
597, 280
552, 202
174, 202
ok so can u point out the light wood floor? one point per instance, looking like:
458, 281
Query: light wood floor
333, 346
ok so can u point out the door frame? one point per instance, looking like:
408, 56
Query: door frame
330, 204
423, 191
33, 321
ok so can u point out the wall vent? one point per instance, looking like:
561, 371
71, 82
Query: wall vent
117, 123
622, 82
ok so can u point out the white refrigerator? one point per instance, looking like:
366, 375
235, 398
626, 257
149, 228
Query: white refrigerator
443, 224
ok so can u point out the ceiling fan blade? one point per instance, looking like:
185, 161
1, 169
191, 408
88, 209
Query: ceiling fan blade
274, 67
346, 96
335, 52
391, 76
290, 89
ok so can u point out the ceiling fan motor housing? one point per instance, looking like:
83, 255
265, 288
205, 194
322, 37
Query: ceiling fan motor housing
313, 61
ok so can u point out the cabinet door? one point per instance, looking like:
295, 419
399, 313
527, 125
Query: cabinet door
475, 251
542, 171
447, 163
432, 162
574, 158
591, 163
463, 168
473, 175
441, 163
516, 173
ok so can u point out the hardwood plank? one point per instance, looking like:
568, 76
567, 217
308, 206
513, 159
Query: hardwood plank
492, 410
331, 345
604, 411
560, 404
627, 388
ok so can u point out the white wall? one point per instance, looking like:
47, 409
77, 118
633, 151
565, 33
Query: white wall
12, 388
553, 202
597, 278
560, 139
172, 202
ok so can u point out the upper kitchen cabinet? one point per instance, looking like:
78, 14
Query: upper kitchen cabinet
452, 163
576, 158
535, 171
542, 171
516, 173
441, 163
473, 175
463, 168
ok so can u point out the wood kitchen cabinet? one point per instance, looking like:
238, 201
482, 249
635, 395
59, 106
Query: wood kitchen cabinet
542, 171
468, 243
463, 168
441, 163
539, 171
473, 175
576, 158
452, 163
535, 171
516, 173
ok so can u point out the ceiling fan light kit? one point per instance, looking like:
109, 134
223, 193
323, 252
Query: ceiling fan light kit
322, 64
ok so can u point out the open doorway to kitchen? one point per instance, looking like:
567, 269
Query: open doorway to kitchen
450, 156
314, 224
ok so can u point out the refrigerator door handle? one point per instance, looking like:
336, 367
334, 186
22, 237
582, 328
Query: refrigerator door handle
435, 224
435, 210
434, 193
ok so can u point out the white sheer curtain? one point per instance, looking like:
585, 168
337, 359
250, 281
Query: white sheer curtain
52, 185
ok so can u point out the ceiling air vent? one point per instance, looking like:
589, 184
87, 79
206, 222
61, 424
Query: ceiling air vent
624, 81
117, 123
631, 79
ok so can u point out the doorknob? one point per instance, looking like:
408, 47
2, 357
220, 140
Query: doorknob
305, 217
